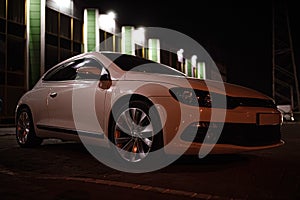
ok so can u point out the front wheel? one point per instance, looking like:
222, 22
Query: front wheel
136, 131
25, 133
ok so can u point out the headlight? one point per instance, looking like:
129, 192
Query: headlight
191, 97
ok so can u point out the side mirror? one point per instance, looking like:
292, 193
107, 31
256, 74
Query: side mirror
105, 81
88, 73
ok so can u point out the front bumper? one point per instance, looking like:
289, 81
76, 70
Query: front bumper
245, 128
233, 138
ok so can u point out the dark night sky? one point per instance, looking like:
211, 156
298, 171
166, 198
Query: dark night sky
236, 33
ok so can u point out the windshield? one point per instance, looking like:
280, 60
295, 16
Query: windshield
137, 64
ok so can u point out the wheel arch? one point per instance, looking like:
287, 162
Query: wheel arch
120, 102
20, 107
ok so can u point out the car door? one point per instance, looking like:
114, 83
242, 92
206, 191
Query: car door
71, 100
59, 96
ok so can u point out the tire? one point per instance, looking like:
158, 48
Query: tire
136, 132
25, 133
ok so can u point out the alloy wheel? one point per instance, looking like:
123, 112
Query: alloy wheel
133, 134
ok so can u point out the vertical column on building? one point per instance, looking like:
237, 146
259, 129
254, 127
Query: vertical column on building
201, 70
91, 30
127, 40
154, 49
194, 68
180, 60
36, 38
188, 67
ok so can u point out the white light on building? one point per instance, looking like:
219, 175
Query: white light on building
112, 14
139, 36
63, 4
194, 65
107, 22
180, 55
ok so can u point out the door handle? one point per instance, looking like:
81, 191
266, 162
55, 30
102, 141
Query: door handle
53, 94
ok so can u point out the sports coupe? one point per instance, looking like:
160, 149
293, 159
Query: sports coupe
139, 106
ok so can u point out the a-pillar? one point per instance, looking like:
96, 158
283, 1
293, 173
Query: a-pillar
35, 41
154, 50
91, 38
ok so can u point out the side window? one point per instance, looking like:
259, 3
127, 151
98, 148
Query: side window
82, 69
64, 72
89, 69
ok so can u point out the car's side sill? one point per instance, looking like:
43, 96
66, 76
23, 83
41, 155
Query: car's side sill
70, 131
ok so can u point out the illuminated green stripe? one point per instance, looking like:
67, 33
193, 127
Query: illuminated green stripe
127, 37
188, 66
201, 66
154, 50
91, 30
34, 41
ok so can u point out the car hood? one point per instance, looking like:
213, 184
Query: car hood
230, 89
200, 84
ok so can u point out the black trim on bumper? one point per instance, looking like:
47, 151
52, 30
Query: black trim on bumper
234, 133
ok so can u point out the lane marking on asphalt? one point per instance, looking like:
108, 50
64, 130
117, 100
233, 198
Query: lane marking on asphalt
148, 188
7, 171
140, 187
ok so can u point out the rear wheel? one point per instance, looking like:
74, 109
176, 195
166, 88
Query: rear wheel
136, 131
25, 133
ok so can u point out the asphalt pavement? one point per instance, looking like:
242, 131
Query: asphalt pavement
61, 170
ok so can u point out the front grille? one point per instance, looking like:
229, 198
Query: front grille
233, 102
233, 133
207, 99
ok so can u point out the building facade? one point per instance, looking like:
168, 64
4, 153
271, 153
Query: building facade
37, 34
